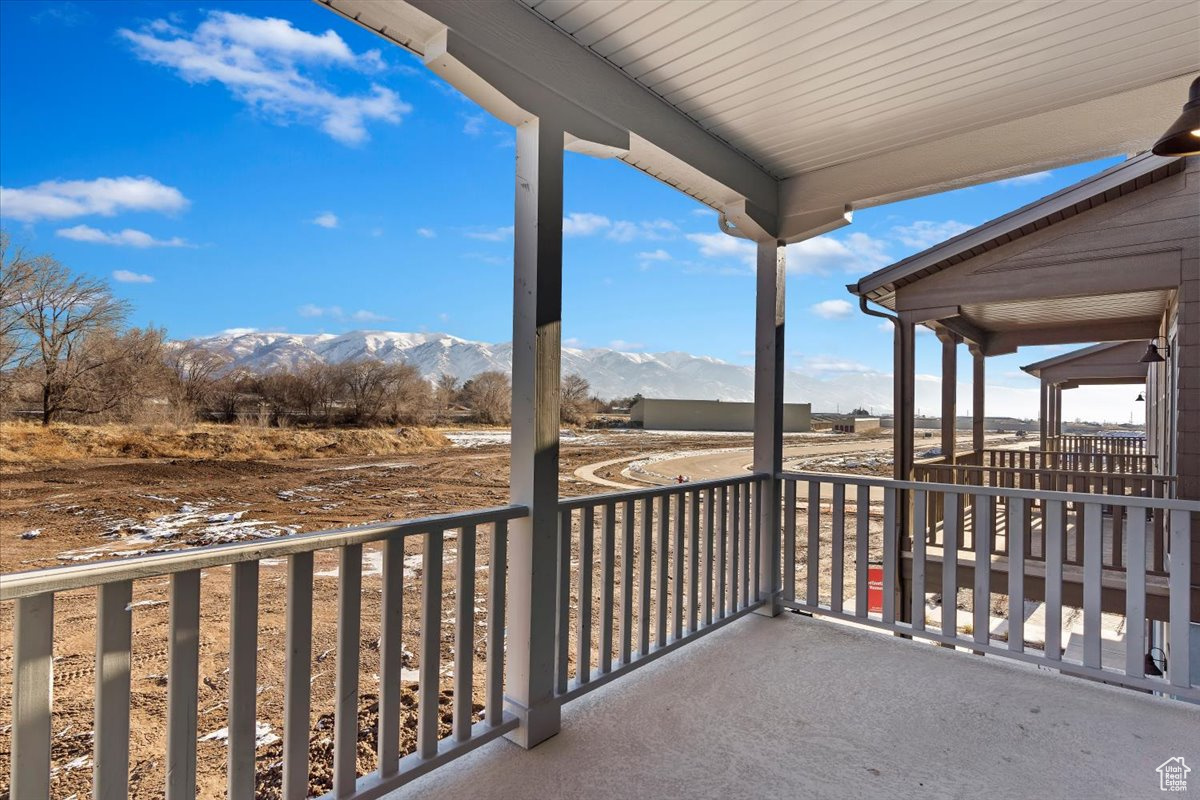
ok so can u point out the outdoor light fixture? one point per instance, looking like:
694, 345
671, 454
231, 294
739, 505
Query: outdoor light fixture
1183, 137
1141, 398
1152, 355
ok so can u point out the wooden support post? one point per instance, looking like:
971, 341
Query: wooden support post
977, 398
1058, 415
949, 392
768, 416
537, 343
1042, 413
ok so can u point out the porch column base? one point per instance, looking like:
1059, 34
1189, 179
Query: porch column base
537, 724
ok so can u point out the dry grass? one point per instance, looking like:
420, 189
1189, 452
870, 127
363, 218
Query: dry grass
26, 443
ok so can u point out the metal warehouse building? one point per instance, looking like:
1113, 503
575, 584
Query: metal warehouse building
711, 415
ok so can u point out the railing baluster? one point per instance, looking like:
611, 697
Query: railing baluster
1179, 584
431, 651
733, 533
837, 565
563, 610
661, 562
391, 655
920, 501
297, 672
722, 549
981, 601
950, 565
747, 528
627, 558
1135, 593
345, 716
464, 633
709, 534
645, 573
862, 552
813, 557
110, 746
493, 709
183, 675
890, 561
1092, 556
1054, 522
677, 578
752, 533
789, 540
608, 550
33, 684
243, 676
583, 645
1016, 585
694, 561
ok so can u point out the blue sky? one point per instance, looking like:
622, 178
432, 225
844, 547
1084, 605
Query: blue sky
272, 166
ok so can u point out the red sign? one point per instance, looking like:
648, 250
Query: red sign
875, 588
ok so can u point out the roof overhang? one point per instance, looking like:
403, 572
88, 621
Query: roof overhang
1106, 363
785, 117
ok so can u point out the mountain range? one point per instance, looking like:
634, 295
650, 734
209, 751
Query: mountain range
611, 373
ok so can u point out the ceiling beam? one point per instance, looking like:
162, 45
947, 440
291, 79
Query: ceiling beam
1003, 342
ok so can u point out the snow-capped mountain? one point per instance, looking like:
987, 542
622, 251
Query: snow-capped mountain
610, 372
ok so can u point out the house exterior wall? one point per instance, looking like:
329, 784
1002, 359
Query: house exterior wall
711, 415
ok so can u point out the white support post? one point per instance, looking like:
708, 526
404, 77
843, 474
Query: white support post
768, 415
537, 342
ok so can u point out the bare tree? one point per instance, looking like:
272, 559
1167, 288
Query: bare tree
59, 313
368, 383
576, 406
411, 396
194, 371
445, 395
489, 396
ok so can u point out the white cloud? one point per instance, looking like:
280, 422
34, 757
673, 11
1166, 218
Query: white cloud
123, 238
327, 219
125, 276
832, 309
655, 255
722, 245
887, 327
823, 255
103, 196
583, 224
493, 235
473, 124
654, 230
337, 314
426, 233
261, 62
835, 364
924, 233
1022, 180
624, 346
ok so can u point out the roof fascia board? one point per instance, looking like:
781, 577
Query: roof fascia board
528, 46
1004, 342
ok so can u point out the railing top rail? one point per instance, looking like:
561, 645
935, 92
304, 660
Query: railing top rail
81, 576
1062, 452
1130, 501
570, 503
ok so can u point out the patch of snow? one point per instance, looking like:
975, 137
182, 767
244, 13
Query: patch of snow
32, 534
262, 735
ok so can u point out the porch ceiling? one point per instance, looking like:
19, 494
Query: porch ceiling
789, 114
1108, 363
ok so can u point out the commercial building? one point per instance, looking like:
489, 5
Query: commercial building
711, 415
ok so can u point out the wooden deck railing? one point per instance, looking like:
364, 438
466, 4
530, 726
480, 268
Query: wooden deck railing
1136, 463
1115, 445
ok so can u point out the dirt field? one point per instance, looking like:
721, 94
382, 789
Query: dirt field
88, 510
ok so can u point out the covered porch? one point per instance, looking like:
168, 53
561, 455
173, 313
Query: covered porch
532, 619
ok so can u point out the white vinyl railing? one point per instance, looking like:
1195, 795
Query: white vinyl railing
643, 572
33, 596
815, 549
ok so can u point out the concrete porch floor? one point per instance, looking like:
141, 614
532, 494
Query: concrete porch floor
799, 708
